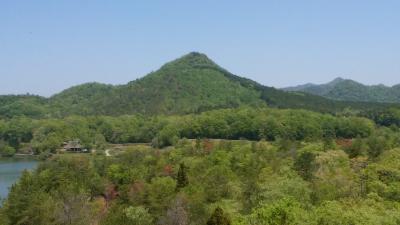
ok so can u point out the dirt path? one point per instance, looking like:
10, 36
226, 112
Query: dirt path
108, 152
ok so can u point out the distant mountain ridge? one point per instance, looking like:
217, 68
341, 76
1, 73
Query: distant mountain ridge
350, 90
192, 83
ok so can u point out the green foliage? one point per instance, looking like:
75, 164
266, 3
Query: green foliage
261, 165
126, 215
285, 183
253, 182
349, 90
353, 127
282, 212
181, 179
177, 213
364, 212
383, 176
219, 218
190, 84
305, 164
23, 105
166, 137
17, 131
160, 193
47, 135
6, 150
138, 215
58, 192
314, 168
376, 145
385, 117
100, 142
334, 177
357, 148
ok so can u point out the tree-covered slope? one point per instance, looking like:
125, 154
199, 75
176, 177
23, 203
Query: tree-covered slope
189, 84
297, 167
192, 83
81, 99
17, 105
349, 90
301, 100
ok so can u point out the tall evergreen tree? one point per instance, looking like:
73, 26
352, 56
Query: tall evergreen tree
305, 164
219, 218
181, 179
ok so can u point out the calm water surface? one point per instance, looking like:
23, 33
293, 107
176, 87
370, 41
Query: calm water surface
10, 171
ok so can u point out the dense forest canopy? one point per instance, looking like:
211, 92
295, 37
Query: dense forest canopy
349, 90
296, 167
193, 144
190, 84
47, 135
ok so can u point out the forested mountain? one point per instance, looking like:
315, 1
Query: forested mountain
190, 84
349, 90
245, 164
28, 105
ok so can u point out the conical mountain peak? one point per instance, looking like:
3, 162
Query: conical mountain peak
192, 59
337, 80
196, 56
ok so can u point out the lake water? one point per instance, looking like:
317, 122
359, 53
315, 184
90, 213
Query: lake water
10, 171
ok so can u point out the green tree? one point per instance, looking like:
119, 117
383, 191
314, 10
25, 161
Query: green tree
6, 150
181, 179
273, 186
177, 213
376, 145
167, 136
334, 178
305, 164
356, 149
286, 211
160, 193
138, 215
100, 142
219, 218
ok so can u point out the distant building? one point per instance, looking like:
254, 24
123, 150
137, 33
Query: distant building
74, 146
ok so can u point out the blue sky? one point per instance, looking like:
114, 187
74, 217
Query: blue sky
47, 46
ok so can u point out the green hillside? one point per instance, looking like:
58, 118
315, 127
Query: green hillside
190, 84
249, 166
18, 105
349, 90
